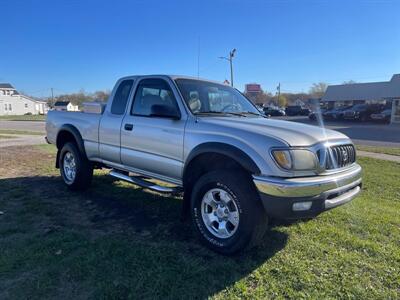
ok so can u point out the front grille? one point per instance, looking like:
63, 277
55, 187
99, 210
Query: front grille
340, 156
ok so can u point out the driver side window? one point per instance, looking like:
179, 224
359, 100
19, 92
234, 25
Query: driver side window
151, 92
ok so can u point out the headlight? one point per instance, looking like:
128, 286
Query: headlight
296, 159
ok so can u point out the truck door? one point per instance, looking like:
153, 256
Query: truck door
110, 123
151, 143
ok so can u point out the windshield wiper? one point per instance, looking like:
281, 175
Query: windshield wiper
220, 113
251, 113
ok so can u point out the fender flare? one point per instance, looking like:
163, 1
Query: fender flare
230, 151
77, 136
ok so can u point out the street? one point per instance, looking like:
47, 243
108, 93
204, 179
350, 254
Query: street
370, 134
361, 133
37, 126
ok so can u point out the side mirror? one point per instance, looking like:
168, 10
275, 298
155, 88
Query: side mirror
165, 111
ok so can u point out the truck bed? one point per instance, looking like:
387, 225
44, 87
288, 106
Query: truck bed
86, 123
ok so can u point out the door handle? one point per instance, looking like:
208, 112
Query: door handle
128, 127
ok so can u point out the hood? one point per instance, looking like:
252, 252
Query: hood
292, 133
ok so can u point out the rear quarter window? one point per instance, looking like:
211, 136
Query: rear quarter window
120, 100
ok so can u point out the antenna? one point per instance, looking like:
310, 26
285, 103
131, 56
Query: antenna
198, 58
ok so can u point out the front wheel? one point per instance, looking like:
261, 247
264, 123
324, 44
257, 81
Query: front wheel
76, 170
226, 211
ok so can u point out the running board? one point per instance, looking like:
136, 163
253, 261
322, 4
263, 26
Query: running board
145, 184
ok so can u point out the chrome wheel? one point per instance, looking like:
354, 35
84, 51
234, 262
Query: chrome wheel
220, 213
69, 167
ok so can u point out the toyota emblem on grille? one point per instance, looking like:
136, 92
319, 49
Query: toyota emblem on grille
345, 155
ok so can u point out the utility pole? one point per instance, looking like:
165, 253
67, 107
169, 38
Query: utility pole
198, 59
52, 96
230, 59
279, 91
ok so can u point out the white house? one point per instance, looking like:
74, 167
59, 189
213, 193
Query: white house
65, 105
13, 103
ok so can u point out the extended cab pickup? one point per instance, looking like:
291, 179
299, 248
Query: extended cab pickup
234, 166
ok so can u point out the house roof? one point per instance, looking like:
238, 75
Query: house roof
6, 86
364, 91
61, 103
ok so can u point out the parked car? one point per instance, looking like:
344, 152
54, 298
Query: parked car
361, 112
313, 114
304, 111
293, 110
274, 111
335, 113
234, 167
383, 116
260, 108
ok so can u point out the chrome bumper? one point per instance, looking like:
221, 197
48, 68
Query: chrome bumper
308, 186
324, 192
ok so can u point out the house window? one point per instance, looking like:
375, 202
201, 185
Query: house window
5, 107
26, 105
9, 107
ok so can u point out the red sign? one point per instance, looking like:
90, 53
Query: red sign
253, 88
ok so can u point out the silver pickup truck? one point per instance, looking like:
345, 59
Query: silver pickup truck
234, 166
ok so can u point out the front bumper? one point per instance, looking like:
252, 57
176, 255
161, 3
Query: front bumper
278, 195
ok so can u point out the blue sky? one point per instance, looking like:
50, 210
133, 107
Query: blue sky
73, 45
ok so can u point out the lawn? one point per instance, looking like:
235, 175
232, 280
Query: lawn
24, 118
117, 241
385, 150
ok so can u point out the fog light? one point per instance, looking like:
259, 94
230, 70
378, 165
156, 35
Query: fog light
299, 206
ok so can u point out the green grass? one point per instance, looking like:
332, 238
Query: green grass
24, 118
384, 150
20, 132
117, 241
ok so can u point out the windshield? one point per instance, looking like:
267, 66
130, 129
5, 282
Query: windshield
359, 106
206, 97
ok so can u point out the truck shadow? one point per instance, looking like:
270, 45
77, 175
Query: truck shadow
143, 228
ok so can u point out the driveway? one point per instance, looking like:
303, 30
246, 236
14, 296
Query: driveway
37, 126
22, 140
361, 133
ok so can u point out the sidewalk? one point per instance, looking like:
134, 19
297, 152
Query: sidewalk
382, 156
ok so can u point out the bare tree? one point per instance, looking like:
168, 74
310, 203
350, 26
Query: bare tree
317, 90
101, 95
258, 98
80, 97
349, 82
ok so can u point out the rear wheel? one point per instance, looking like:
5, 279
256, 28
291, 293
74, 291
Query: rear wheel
226, 211
75, 168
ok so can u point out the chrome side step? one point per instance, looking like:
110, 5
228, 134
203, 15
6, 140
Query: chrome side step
145, 184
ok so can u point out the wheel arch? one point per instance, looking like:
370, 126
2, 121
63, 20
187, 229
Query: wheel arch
212, 156
224, 149
69, 133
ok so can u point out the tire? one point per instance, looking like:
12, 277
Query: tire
76, 170
243, 202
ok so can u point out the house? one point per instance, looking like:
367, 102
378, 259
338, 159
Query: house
65, 105
13, 103
385, 92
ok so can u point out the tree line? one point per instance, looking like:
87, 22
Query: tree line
79, 97
316, 91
